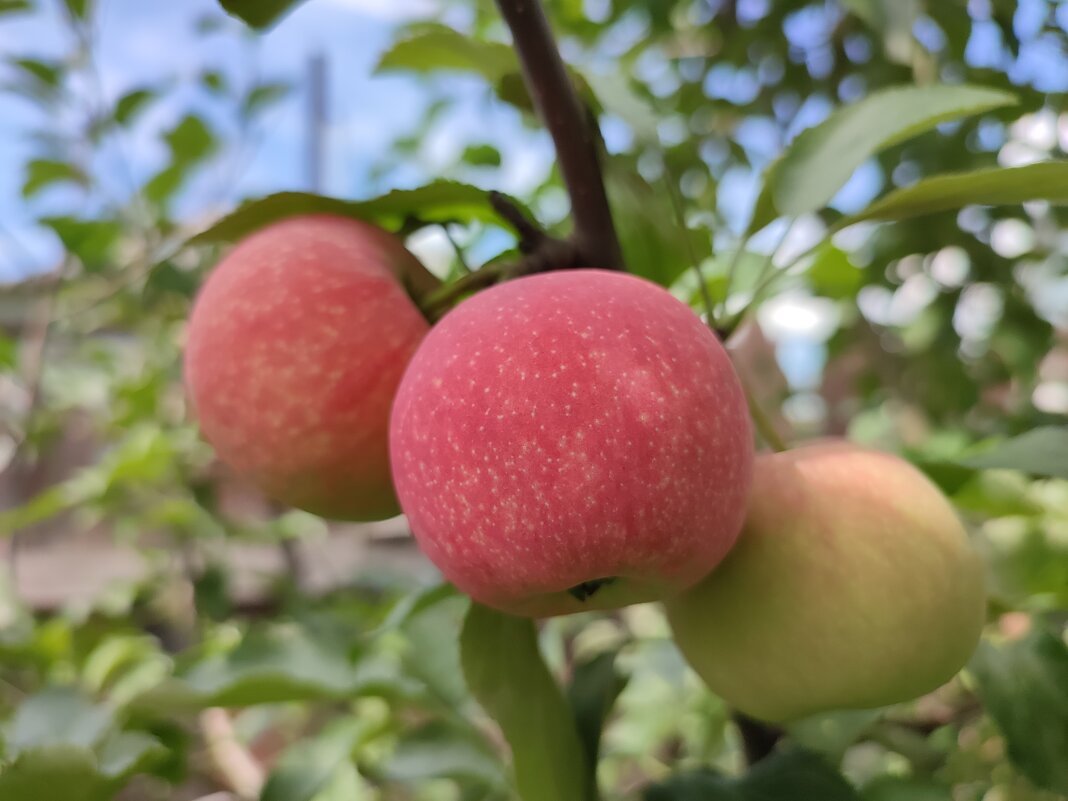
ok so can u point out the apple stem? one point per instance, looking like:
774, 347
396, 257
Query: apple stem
573, 129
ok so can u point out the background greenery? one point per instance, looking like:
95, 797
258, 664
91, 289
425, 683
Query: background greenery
937, 327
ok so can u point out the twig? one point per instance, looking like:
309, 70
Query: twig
680, 217
531, 236
574, 137
763, 423
235, 764
758, 739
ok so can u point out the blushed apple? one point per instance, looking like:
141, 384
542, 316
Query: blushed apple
294, 350
853, 585
570, 441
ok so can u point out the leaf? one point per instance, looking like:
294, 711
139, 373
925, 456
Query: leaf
793, 775
437, 202
131, 103
14, 6
93, 242
262, 96
433, 653
506, 673
896, 788
47, 74
833, 275
259, 13
79, 9
128, 753
997, 186
190, 140
593, 691
482, 156
654, 244
54, 774
309, 767
437, 48
1039, 452
56, 716
42, 173
1024, 688
443, 751
412, 604
821, 159
9, 352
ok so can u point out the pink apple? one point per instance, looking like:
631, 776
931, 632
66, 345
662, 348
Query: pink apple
294, 350
569, 441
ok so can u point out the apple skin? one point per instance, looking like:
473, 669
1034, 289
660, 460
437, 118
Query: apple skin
569, 427
852, 586
294, 349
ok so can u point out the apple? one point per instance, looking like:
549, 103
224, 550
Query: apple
295, 346
570, 441
853, 586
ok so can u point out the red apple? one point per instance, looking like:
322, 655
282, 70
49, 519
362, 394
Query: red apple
294, 350
569, 441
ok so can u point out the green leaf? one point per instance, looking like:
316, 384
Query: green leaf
15, 6
93, 242
79, 9
793, 775
262, 96
48, 74
412, 604
54, 774
56, 716
437, 48
444, 751
308, 768
190, 140
9, 352
506, 673
259, 13
833, 275
433, 648
131, 103
482, 156
1024, 688
595, 686
42, 173
997, 186
1039, 452
654, 244
214, 80
821, 159
896, 788
437, 202
128, 753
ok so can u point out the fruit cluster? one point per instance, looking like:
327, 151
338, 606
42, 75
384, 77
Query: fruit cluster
579, 440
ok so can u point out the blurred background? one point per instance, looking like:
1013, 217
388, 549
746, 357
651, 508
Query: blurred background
126, 127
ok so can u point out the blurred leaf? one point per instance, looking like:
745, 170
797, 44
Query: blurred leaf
793, 775
9, 352
506, 673
307, 768
79, 9
439, 751
437, 202
56, 716
1009, 186
54, 774
42, 173
14, 6
1040, 452
131, 103
435, 48
616, 95
594, 688
482, 156
1024, 688
821, 159
259, 13
896, 788
214, 80
127, 753
190, 140
263, 96
654, 244
433, 652
93, 242
412, 604
833, 275
47, 74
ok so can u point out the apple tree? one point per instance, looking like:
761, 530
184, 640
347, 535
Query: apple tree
654, 555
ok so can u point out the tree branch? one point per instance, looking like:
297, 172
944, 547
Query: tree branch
574, 137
